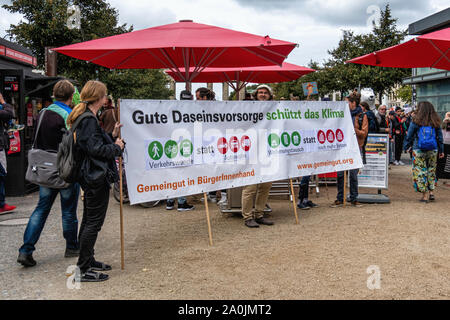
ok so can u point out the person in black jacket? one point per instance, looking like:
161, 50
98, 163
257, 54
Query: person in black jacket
6, 114
96, 152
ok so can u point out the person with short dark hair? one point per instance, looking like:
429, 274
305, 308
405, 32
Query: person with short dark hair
204, 94
361, 126
48, 137
426, 125
398, 134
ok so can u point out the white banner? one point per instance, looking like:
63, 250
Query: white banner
178, 148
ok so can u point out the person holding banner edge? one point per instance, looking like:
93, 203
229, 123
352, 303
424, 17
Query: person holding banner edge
258, 193
361, 126
96, 152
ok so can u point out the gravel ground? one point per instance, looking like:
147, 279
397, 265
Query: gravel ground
325, 256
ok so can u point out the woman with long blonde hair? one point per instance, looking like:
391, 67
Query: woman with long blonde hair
96, 152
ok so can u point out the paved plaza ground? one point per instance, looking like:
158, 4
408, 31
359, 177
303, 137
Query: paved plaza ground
325, 256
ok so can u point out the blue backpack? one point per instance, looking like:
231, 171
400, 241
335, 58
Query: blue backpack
427, 138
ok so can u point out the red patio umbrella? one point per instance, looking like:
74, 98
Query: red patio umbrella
243, 76
183, 44
428, 50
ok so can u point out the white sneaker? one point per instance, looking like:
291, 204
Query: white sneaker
400, 163
396, 163
223, 199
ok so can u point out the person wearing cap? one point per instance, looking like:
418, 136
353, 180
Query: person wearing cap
361, 126
258, 193
186, 95
183, 205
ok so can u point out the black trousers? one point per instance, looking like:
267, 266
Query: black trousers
398, 146
94, 212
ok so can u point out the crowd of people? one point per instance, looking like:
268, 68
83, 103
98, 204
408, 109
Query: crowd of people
97, 145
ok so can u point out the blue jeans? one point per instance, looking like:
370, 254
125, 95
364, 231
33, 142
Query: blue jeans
304, 189
353, 177
69, 201
181, 200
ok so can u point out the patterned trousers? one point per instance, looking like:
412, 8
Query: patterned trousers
424, 170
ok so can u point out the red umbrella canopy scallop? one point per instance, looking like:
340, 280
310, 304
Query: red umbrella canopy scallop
428, 50
182, 44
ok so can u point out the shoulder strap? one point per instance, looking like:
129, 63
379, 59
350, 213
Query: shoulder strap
39, 125
81, 117
360, 119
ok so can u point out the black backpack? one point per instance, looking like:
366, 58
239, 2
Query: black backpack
68, 167
374, 127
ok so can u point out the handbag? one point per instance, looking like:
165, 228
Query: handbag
42, 166
94, 172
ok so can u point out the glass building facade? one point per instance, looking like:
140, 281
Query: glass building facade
431, 84
437, 91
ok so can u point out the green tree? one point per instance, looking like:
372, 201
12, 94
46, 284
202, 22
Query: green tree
45, 25
349, 76
404, 93
337, 75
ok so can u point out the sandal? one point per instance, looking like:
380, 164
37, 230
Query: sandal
91, 276
431, 197
424, 200
100, 266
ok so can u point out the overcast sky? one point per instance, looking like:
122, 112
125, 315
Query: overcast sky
315, 25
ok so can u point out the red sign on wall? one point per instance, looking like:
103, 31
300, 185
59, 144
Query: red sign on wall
17, 55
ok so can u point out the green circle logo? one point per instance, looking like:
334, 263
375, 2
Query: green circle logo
155, 150
296, 138
285, 139
186, 148
274, 140
171, 149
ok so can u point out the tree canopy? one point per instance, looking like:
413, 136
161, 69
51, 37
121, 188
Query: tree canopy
336, 75
46, 26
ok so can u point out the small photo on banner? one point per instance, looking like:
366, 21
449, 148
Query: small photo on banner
310, 88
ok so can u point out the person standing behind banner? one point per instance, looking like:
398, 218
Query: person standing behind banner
183, 205
258, 193
425, 137
361, 126
49, 136
6, 114
96, 153
206, 94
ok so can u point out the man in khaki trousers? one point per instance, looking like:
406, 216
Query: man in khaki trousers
258, 193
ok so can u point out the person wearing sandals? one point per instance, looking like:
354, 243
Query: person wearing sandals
425, 137
96, 153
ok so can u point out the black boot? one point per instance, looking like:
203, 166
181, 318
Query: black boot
26, 260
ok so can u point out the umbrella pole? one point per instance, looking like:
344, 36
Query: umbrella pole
207, 218
122, 251
293, 201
